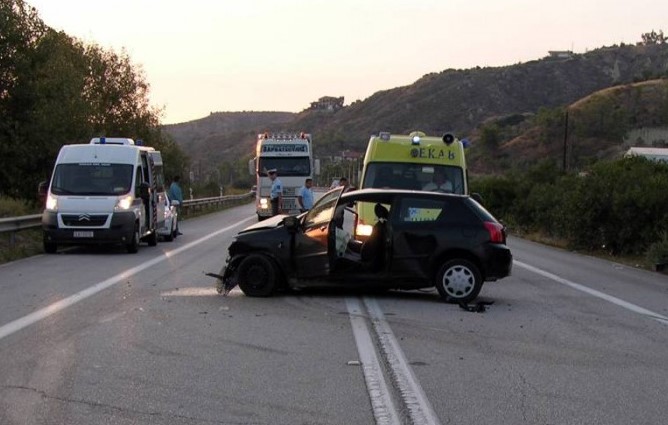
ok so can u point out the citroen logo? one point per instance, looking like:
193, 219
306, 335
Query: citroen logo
84, 217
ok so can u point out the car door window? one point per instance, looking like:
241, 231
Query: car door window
323, 210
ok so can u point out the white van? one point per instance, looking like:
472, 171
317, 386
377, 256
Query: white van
110, 191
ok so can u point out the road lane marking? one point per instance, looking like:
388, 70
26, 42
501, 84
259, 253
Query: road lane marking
598, 294
384, 410
34, 317
419, 409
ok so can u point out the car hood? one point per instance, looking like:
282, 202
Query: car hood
270, 223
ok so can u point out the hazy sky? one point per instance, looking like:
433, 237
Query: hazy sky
202, 56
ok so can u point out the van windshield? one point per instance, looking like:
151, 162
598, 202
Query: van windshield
398, 175
93, 179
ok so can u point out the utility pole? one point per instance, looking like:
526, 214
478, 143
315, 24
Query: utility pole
565, 139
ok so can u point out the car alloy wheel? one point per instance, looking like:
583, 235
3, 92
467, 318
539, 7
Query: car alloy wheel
459, 280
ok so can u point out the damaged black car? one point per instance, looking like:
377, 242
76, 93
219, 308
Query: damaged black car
416, 240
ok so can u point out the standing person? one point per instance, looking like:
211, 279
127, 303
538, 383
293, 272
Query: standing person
305, 197
276, 196
176, 194
343, 182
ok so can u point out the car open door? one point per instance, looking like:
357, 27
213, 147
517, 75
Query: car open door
311, 251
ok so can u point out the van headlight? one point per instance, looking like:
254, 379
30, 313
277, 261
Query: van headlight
264, 203
124, 203
51, 203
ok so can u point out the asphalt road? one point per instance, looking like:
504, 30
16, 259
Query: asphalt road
104, 337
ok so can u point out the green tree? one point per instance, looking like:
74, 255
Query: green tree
56, 90
653, 37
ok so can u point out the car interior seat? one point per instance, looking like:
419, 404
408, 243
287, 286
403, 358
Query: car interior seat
372, 251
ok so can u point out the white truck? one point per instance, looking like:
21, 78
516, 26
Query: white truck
110, 191
292, 156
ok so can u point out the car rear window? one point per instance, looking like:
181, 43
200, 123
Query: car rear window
442, 211
480, 210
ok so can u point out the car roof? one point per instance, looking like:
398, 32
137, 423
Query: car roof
390, 193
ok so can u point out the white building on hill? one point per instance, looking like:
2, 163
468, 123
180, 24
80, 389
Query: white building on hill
654, 154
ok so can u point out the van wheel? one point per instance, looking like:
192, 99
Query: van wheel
459, 281
133, 246
50, 247
257, 276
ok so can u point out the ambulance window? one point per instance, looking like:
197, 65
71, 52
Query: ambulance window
138, 178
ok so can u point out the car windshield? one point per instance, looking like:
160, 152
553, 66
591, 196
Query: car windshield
92, 179
285, 166
436, 178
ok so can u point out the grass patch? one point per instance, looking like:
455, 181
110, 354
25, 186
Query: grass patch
25, 243
636, 261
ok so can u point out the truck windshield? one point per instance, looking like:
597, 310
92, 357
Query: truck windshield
397, 175
92, 179
285, 166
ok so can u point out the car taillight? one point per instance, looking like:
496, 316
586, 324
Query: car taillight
495, 232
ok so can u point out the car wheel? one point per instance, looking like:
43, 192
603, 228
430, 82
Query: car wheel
257, 276
170, 236
133, 246
459, 281
50, 247
152, 238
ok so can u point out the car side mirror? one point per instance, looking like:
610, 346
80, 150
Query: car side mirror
174, 203
291, 223
476, 197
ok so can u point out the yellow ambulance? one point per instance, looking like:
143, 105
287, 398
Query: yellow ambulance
413, 162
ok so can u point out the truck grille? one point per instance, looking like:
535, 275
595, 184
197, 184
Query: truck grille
84, 220
289, 191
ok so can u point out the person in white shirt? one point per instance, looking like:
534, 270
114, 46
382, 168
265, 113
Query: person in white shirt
276, 195
439, 184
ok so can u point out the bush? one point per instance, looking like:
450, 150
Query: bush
10, 207
658, 251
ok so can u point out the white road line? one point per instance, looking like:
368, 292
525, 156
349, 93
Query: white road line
419, 409
383, 407
25, 321
614, 300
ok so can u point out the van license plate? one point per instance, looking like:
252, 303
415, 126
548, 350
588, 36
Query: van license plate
87, 234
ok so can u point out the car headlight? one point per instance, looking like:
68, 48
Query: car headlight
264, 203
124, 203
51, 203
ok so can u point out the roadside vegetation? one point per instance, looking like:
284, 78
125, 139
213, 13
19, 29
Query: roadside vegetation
617, 207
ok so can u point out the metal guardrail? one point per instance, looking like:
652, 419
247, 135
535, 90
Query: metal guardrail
14, 224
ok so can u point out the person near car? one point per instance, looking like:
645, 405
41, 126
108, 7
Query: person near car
343, 182
439, 184
176, 194
276, 195
305, 196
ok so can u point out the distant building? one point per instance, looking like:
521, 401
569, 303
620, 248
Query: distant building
560, 54
653, 154
327, 103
